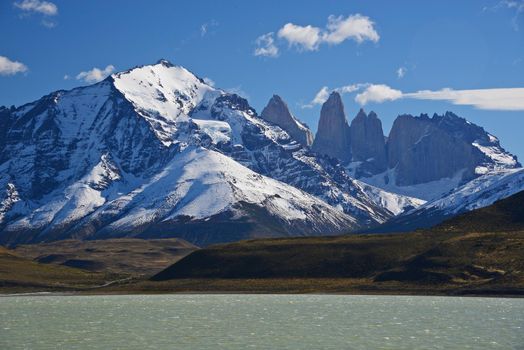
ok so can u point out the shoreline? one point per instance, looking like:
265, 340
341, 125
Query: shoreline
74, 294
274, 287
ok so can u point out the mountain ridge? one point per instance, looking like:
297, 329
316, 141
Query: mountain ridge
75, 160
75, 163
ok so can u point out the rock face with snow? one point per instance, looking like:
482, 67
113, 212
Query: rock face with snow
368, 145
477, 193
277, 112
154, 151
427, 157
421, 152
333, 135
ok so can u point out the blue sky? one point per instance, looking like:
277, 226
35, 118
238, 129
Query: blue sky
460, 45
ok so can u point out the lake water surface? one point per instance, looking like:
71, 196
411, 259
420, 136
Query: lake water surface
260, 321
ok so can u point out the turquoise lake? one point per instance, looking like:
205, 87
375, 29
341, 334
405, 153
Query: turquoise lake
197, 321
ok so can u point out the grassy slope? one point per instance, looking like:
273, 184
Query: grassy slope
427, 262
73, 265
18, 274
481, 251
121, 256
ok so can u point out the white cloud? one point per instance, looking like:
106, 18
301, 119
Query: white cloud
321, 97
357, 27
504, 99
43, 7
351, 88
266, 46
401, 72
8, 67
48, 24
96, 74
323, 94
237, 90
304, 37
204, 28
501, 99
338, 29
209, 81
377, 93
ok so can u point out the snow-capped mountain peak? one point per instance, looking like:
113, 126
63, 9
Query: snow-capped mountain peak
83, 162
163, 94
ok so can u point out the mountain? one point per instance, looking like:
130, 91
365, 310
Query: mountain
156, 152
368, 144
478, 193
428, 157
504, 215
333, 134
277, 112
422, 157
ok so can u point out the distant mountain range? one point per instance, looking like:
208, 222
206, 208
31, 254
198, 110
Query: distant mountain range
156, 152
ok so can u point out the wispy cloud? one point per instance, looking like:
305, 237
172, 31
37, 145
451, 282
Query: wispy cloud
401, 72
321, 97
323, 94
500, 99
266, 46
503, 99
209, 81
9, 67
44, 8
205, 27
237, 90
309, 38
517, 6
96, 74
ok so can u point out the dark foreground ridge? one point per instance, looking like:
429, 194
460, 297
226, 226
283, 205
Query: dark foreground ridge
473, 253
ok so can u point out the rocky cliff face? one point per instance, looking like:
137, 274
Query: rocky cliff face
277, 112
333, 134
423, 149
423, 157
421, 152
368, 145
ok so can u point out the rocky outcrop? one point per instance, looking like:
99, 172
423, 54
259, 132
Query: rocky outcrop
419, 150
423, 149
368, 146
333, 134
277, 112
